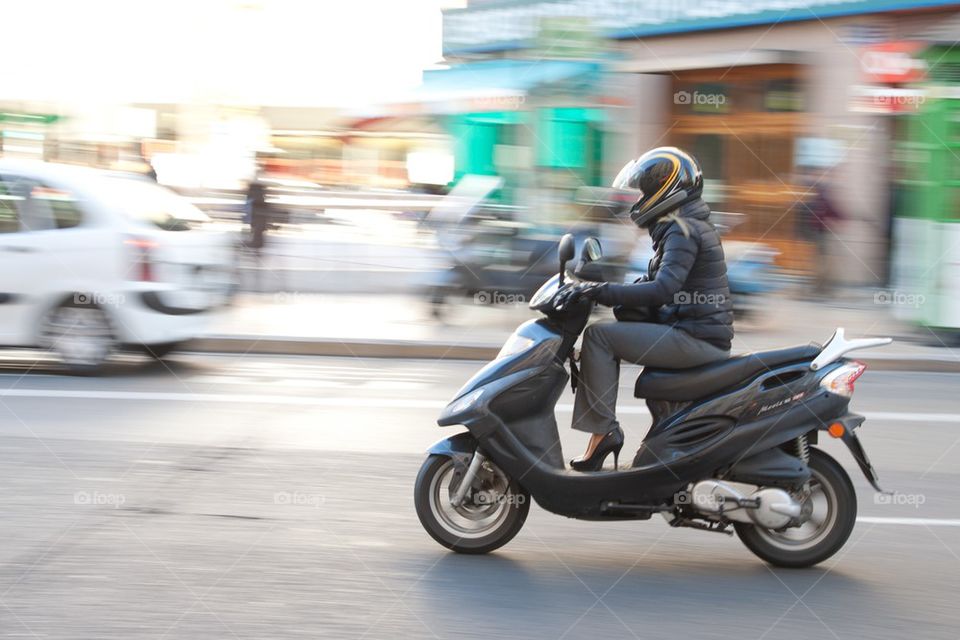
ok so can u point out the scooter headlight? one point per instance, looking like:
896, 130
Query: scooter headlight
462, 405
514, 344
545, 292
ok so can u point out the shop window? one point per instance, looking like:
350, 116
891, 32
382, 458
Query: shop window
9, 208
952, 211
952, 128
945, 72
708, 150
561, 145
783, 95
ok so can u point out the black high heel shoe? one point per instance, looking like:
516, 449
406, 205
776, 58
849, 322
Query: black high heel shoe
611, 443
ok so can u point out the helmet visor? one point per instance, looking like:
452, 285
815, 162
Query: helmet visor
626, 191
626, 179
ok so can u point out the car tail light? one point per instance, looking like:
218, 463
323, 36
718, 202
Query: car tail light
840, 381
141, 266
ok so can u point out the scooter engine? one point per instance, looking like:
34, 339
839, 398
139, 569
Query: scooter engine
768, 507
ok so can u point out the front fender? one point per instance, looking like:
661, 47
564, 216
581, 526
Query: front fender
459, 448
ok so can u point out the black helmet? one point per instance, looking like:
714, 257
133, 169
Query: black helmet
664, 178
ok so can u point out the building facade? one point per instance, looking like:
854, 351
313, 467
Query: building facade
778, 100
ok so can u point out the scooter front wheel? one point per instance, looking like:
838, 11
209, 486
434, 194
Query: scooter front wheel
491, 513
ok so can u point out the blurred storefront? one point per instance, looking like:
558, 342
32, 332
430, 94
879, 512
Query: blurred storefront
925, 193
28, 135
537, 121
743, 124
779, 101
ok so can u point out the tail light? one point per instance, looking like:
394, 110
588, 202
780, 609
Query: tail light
840, 381
141, 265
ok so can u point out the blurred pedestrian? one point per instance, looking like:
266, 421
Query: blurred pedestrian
257, 216
818, 221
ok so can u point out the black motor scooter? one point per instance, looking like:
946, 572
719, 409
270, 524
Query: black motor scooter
730, 444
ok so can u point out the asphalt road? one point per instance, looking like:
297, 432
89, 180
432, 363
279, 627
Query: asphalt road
260, 497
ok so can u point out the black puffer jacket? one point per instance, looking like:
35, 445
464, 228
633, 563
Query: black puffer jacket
687, 278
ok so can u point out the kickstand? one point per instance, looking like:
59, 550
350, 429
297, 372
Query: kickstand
574, 375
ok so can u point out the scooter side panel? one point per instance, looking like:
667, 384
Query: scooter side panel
696, 426
582, 495
766, 394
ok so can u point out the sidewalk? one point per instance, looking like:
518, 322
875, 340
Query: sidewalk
401, 326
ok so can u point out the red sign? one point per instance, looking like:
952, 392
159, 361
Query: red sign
892, 62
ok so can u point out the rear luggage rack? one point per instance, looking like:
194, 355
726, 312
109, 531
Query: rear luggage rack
838, 345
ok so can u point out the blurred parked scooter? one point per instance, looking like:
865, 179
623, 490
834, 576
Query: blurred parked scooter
751, 270
495, 256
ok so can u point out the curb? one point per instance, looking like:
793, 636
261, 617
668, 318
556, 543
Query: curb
345, 348
415, 349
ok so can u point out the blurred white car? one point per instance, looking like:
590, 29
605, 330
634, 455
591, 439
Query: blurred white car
92, 261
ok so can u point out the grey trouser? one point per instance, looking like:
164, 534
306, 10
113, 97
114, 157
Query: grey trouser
605, 344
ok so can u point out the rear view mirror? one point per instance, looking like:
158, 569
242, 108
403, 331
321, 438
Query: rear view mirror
567, 249
565, 252
589, 267
591, 250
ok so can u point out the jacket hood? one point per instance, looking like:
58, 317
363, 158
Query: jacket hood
694, 210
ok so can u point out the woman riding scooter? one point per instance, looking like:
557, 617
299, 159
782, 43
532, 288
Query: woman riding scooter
679, 316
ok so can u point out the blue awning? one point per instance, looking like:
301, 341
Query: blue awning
486, 86
515, 76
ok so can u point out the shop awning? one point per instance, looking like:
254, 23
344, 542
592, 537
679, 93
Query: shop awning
504, 75
490, 85
718, 60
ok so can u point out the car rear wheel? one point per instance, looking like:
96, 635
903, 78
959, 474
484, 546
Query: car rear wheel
162, 350
81, 335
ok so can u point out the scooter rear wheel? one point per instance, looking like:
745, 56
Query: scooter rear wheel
491, 514
833, 516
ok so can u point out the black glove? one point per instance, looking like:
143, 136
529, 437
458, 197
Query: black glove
572, 295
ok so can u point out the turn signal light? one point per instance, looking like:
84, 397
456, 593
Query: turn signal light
836, 430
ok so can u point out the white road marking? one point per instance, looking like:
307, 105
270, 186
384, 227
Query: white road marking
905, 416
364, 402
375, 403
913, 522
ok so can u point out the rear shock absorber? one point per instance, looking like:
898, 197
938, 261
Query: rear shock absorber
803, 448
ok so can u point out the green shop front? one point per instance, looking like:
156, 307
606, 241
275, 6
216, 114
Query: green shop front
926, 225
535, 124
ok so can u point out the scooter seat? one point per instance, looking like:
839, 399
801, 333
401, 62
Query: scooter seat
699, 382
